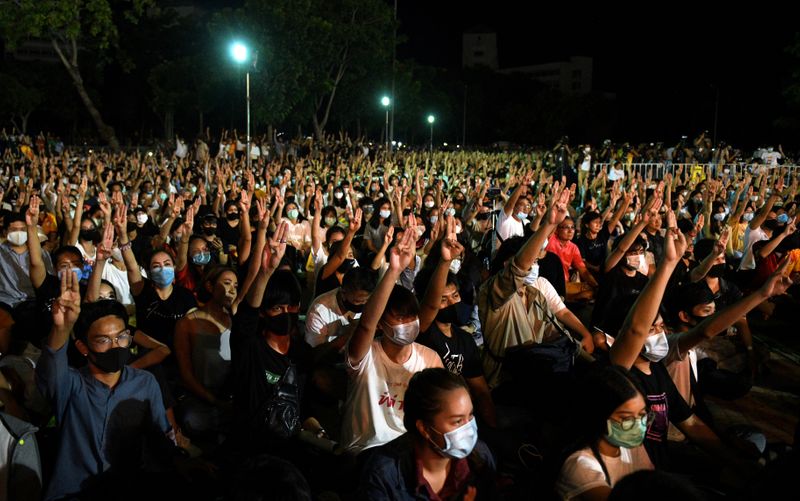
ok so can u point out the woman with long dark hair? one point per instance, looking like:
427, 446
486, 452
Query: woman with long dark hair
614, 423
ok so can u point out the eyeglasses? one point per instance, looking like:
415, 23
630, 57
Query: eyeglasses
123, 340
629, 423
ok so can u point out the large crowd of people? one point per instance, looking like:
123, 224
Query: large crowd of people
328, 319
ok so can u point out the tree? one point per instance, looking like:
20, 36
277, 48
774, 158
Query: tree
19, 100
308, 49
70, 26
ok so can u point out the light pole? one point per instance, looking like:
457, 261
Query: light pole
241, 54
431, 119
386, 102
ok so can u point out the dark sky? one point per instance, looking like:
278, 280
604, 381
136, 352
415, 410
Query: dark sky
664, 67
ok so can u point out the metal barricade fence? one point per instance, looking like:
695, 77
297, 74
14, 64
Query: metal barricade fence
659, 170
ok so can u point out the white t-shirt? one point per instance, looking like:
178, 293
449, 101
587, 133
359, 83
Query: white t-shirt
771, 158
586, 165
554, 301
616, 174
377, 388
751, 237
325, 321
116, 277
181, 150
508, 226
582, 472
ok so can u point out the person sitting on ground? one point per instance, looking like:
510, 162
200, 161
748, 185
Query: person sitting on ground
103, 410
380, 369
612, 430
333, 315
440, 456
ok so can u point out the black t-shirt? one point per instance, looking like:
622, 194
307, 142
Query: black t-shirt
551, 268
324, 285
655, 245
615, 285
228, 234
459, 353
594, 251
256, 368
668, 406
157, 317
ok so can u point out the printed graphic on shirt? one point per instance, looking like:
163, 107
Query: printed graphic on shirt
453, 362
272, 378
657, 431
393, 397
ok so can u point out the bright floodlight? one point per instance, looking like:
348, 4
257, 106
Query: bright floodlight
431, 119
386, 101
239, 52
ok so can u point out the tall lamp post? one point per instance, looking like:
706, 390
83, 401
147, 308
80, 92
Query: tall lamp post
386, 102
241, 54
431, 119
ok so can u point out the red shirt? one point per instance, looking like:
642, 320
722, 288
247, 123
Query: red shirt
454, 484
569, 254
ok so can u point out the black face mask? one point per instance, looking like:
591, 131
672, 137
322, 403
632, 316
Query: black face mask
110, 361
92, 235
448, 315
232, 216
209, 231
696, 319
346, 266
280, 324
355, 308
717, 271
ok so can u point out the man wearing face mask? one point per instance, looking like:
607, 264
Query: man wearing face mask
380, 369
15, 282
332, 316
106, 410
642, 345
264, 345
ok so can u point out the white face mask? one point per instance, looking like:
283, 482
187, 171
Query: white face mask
455, 266
385, 213
141, 218
403, 334
18, 238
116, 254
644, 268
532, 275
429, 204
458, 443
656, 347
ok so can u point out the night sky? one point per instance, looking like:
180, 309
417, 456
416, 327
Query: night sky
664, 67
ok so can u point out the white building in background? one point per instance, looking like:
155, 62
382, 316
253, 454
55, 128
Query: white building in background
570, 77
479, 49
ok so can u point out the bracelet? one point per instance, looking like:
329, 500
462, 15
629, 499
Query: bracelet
124, 247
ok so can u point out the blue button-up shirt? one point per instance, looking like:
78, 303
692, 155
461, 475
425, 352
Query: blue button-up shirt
100, 427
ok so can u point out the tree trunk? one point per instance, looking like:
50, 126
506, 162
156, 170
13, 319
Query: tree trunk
106, 131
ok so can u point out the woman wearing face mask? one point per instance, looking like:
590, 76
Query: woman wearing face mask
612, 429
643, 344
378, 225
229, 223
340, 261
299, 232
440, 456
160, 303
203, 352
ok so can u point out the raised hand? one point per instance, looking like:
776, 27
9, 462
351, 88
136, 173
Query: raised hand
675, 243
355, 222
121, 220
403, 251
261, 208
387, 239
559, 210
68, 305
779, 281
275, 248
107, 243
32, 215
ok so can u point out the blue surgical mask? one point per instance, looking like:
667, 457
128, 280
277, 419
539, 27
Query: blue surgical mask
202, 258
458, 443
522, 215
748, 216
617, 435
78, 272
162, 277
783, 218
